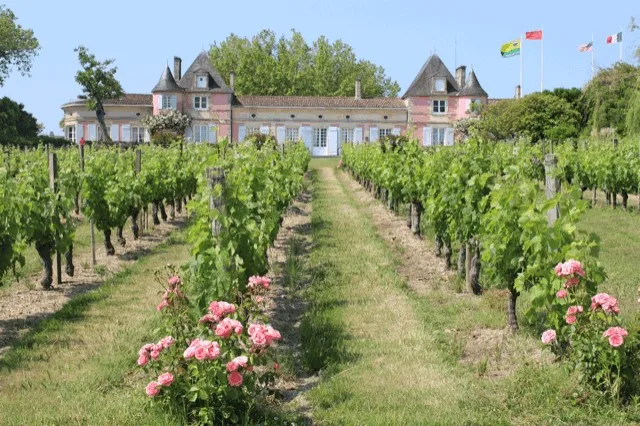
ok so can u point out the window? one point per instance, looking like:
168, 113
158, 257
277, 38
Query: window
102, 136
251, 131
91, 132
167, 102
137, 134
201, 81
291, 134
201, 133
439, 106
384, 133
437, 135
346, 135
319, 137
440, 85
200, 102
70, 133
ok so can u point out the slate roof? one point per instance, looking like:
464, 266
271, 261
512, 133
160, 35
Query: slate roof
202, 65
423, 84
135, 99
318, 102
472, 86
167, 83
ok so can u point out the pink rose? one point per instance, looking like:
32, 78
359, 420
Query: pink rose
254, 328
615, 330
201, 353
549, 337
232, 366
223, 330
571, 282
561, 294
209, 318
166, 342
576, 309
155, 354
152, 389
259, 299
165, 379
616, 340
148, 347
259, 339
241, 361
162, 304
235, 379
143, 360
575, 267
174, 281
558, 269
571, 319
213, 350
276, 366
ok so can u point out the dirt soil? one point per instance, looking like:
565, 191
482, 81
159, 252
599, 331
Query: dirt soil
285, 304
25, 303
497, 350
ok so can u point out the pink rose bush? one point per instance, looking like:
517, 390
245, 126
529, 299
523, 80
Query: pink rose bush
227, 351
593, 341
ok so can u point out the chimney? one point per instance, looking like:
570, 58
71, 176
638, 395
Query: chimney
358, 91
461, 76
518, 92
177, 68
232, 80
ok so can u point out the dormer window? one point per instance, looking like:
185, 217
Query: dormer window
201, 81
440, 85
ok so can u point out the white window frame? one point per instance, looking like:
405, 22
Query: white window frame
440, 81
70, 133
248, 131
200, 133
439, 106
201, 81
319, 137
346, 135
383, 132
291, 134
137, 134
438, 135
167, 102
201, 103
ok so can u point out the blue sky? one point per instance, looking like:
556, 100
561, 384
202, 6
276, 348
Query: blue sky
143, 35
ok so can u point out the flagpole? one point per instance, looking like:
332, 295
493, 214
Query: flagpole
621, 41
542, 61
521, 91
592, 50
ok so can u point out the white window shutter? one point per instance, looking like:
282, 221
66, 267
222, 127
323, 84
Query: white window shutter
264, 130
115, 136
307, 136
241, 132
213, 133
468, 105
79, 132
448, 136
126, 133
357, 135
174, 102
395, 131
281, 134
426, 136
189, 134
373, 134
147, 135
92, 135
159, 101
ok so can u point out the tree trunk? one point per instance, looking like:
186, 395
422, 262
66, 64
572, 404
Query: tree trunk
474, 270
389, 200
614, 200
163, 212
178, 203
511, 308
172, 210
120, 237
438, 246
103, 126
595, 192
607, 196
76, 202
410, 216
154, 213
135, 229
107, 243
447, 254
625, 200
462, 260
416, 213
44, 250
467, 264
68, 257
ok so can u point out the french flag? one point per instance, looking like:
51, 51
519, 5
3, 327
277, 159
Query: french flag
615, 38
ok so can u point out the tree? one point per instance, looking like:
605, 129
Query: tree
98, 82
290, 67
16, 124
18, 46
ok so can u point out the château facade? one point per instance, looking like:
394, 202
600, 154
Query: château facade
434, 101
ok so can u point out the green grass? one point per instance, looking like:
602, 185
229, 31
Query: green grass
78, 367
389, 356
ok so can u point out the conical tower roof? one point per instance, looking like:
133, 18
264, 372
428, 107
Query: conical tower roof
472, 87
424, 83
167, 83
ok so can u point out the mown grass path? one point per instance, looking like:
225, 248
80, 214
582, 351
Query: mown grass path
78, 367
380, 345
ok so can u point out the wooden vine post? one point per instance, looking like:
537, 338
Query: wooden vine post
552, 185
139, 217
215, 177
91, 224
53, 184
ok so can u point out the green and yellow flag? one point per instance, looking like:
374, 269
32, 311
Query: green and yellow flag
510, 49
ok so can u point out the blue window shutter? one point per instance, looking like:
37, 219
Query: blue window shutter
281, 134
79, 132
174, 102
126, 133
373, 134
426, 136
241, 132
159, 101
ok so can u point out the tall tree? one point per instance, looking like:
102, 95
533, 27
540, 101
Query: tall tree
289, 66
16, 124
18, 46
98, 81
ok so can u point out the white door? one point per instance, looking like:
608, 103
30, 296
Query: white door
319, 142
306, 134
332, 141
